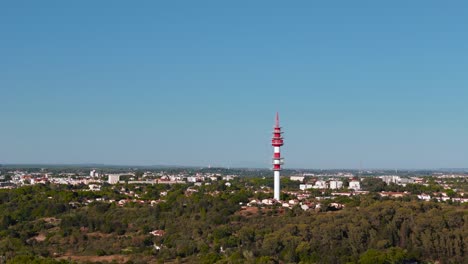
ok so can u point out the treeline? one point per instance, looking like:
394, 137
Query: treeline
201, 228
377, 185
378, 232
374, 232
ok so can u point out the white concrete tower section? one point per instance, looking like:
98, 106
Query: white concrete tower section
276, 194
277, 142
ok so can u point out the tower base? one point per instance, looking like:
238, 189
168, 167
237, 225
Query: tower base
276, 194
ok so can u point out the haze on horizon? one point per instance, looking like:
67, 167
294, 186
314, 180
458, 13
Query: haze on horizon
198, 83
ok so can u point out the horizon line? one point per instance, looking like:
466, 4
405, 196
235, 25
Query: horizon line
91, 165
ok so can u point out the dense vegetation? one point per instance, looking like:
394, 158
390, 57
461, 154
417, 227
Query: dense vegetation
45, 223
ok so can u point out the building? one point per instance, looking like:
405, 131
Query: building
320, 185
393, 194
192, 179
355, 185
305, 186
390, 179
297, 178
405, 181
158, 233
424, 197
336, 185
94, 187
113, 178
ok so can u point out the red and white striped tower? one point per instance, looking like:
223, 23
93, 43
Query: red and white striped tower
277, 142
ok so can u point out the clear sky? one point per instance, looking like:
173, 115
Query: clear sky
384, 83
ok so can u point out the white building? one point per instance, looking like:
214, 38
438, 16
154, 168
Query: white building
355, 185
94, 187
320, 185
305, 186
191, 179
297, 178
396, 179
424, 197
268, 201
336, 184
229, 177
113, 178
390, 179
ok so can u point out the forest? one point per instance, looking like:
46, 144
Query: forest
62, 224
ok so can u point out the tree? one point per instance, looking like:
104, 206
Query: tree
372, 184
372, 256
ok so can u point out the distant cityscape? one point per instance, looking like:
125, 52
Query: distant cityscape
299, 184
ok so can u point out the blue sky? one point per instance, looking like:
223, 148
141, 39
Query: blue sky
198, 82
